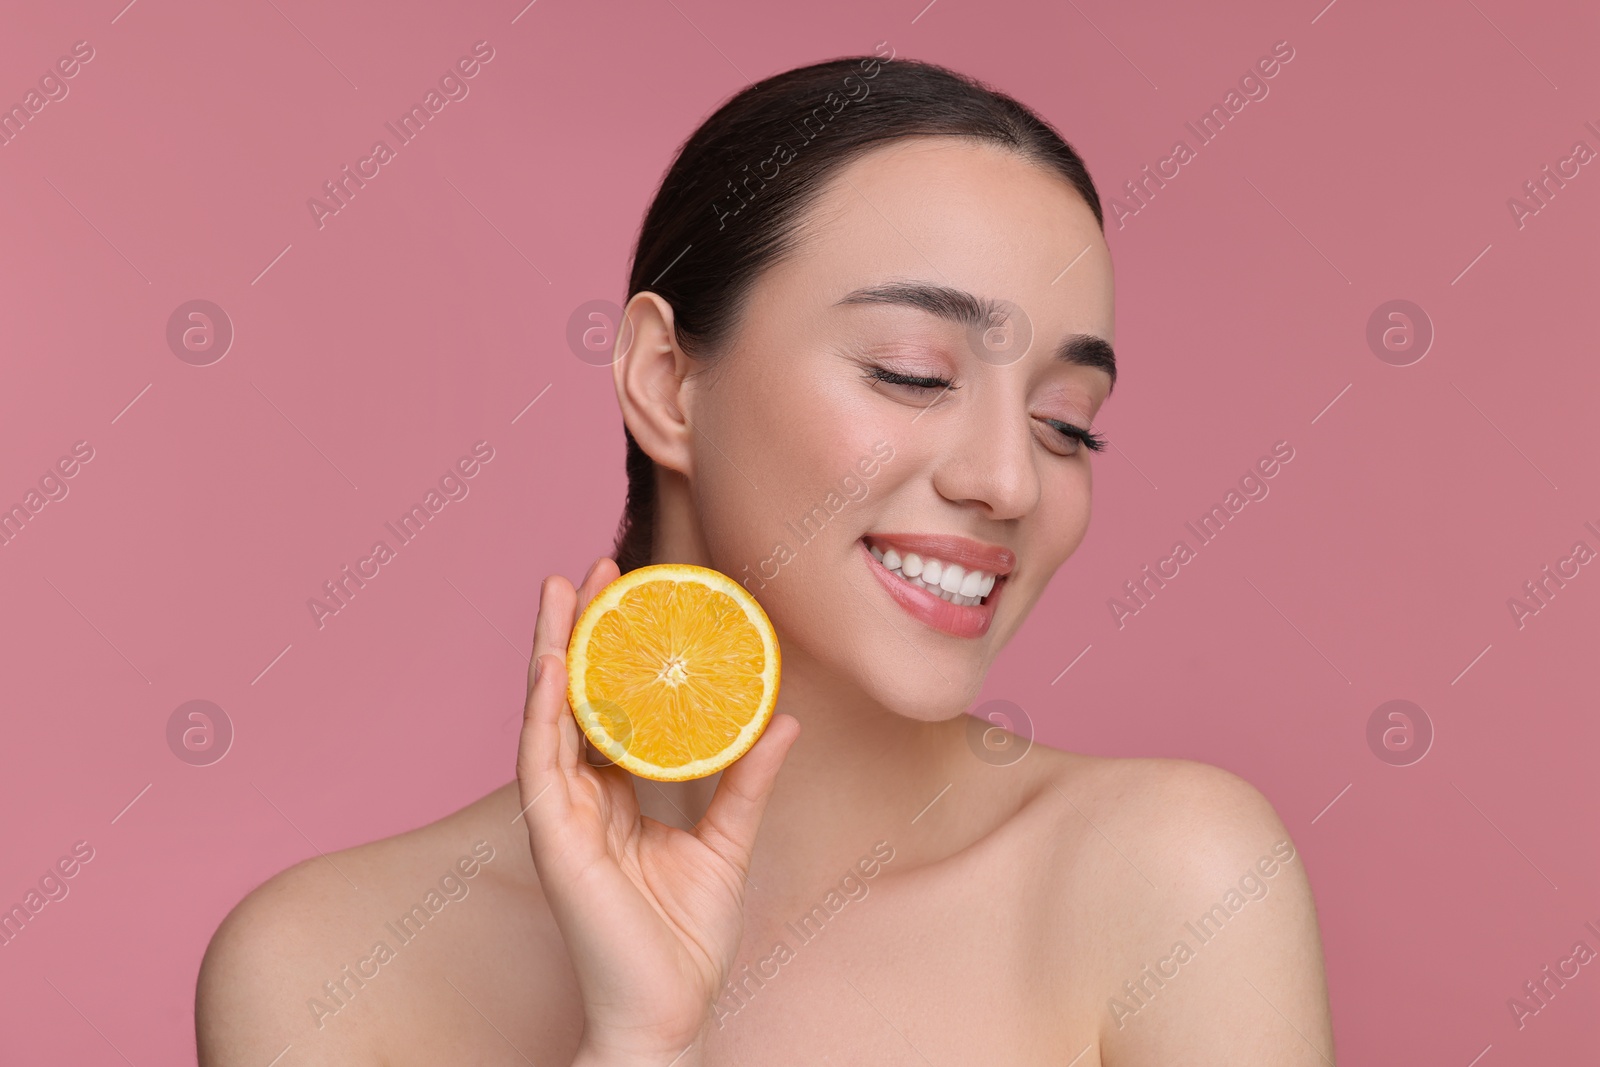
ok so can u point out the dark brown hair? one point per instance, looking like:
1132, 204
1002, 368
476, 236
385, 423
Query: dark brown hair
722, 215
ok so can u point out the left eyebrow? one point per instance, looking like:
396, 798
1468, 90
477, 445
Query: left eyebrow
975, 312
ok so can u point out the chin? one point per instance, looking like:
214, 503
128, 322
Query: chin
932, 700
912, 681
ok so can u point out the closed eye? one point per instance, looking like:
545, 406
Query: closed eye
1088, 438
1076, 434
884, 374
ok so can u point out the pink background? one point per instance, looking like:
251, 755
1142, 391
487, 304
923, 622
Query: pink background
371, 353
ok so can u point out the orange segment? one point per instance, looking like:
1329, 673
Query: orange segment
672, 671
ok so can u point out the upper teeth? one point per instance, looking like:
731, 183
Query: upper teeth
949, 581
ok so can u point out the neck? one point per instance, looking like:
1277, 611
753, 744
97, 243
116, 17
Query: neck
858, 774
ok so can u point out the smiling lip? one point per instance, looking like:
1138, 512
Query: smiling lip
954, 619
950, 548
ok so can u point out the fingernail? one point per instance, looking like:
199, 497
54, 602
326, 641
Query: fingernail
538, 668
590, 572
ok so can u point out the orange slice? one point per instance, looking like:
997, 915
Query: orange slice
672, 671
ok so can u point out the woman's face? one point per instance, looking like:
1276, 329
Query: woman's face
827, 435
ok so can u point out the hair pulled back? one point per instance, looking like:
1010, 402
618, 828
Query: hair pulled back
731, 204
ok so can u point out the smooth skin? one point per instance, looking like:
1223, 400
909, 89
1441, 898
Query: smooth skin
1021, 896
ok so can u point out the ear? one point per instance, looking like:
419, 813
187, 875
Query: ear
649, 371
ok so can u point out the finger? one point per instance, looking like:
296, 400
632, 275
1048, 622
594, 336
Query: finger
553, 601
554, 622
560, 605
602, 572
541, 767
734, 814
542, 717
542, 772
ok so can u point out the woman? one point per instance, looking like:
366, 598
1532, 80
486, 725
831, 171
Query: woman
869, 327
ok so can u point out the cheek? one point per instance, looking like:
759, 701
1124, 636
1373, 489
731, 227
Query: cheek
1064, 514
1056, 530
777, 463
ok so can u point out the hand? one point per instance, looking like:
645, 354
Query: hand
652, 915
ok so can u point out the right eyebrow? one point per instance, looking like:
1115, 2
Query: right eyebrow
975, 312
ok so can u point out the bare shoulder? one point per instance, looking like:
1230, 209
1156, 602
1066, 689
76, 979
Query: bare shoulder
1194, 815
331, 956
1192, 898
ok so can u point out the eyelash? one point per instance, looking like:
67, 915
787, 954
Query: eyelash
1088, 438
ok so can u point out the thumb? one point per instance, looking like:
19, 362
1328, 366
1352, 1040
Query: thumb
734, 814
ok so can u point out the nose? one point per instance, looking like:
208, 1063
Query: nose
990, 458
